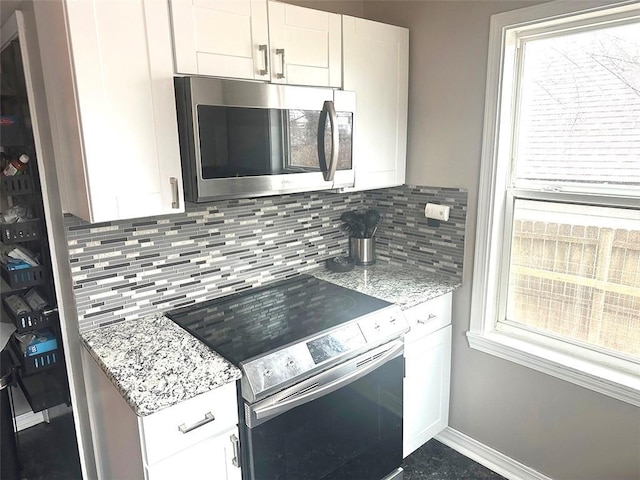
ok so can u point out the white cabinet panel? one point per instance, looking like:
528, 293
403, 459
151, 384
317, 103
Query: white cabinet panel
109, 81
310, 42
116, 444
257, 40
220, 37
427, 372
376, 67
218, 453
426, 390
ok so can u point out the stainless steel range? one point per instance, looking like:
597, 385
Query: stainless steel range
321, 393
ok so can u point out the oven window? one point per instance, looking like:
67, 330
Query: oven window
354, 432
242, 142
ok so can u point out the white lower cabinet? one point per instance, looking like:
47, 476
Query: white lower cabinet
197, 438
427, 372
220, 455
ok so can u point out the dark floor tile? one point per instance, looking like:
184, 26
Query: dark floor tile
48, 451
436, 461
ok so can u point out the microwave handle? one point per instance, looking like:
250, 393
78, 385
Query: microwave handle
328, 171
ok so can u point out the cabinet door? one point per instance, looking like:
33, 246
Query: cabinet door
305, 46
223, 38
376, 67
426, 389
109, 81
212, 458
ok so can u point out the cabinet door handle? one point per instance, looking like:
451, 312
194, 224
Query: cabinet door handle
208, 417
280, 51
265, 56
235, 461
175, 203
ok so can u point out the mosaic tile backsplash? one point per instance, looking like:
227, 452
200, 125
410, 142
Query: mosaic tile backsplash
130, 269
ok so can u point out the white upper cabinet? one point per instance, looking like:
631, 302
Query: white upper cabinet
376, 67
306, 46
225, 38
108, 74
257, 40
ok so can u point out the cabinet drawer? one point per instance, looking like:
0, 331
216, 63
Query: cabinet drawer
428, 317
176, 428
212, 458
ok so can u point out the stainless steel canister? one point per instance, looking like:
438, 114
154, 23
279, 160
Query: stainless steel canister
362, 250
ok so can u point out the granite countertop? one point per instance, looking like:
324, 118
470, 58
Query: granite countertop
155, 364
404, 285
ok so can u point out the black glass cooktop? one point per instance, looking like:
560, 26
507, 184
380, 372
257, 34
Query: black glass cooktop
251, 323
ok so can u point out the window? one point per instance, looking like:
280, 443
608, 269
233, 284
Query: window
557, 279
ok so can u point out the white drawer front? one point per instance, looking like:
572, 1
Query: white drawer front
428, 317
176, 428
212, 458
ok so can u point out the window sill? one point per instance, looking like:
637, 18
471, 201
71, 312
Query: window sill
585, 368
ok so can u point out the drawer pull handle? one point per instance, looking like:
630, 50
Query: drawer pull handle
431, 316
208, 417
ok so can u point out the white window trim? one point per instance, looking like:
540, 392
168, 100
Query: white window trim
596, 371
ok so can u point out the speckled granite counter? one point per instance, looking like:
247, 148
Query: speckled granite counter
405, 285
156, 364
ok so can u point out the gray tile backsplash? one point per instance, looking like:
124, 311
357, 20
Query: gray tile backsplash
406, 237
129, 269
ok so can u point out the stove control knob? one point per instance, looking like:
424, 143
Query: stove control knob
377, 326
267, 373
291, 362
392, 321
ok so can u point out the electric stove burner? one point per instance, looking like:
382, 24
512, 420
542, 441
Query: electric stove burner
254, 322
305, 322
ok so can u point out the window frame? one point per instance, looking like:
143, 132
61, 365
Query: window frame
607, 374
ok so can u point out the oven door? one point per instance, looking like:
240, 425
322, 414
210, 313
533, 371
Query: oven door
343, 423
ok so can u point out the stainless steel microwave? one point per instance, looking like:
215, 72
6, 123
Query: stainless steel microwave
242, 139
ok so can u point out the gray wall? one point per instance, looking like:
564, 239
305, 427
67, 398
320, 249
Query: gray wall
559, 429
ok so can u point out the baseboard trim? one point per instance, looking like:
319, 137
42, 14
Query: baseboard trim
487, 456
30, 419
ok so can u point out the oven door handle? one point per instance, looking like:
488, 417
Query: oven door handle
262, 413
